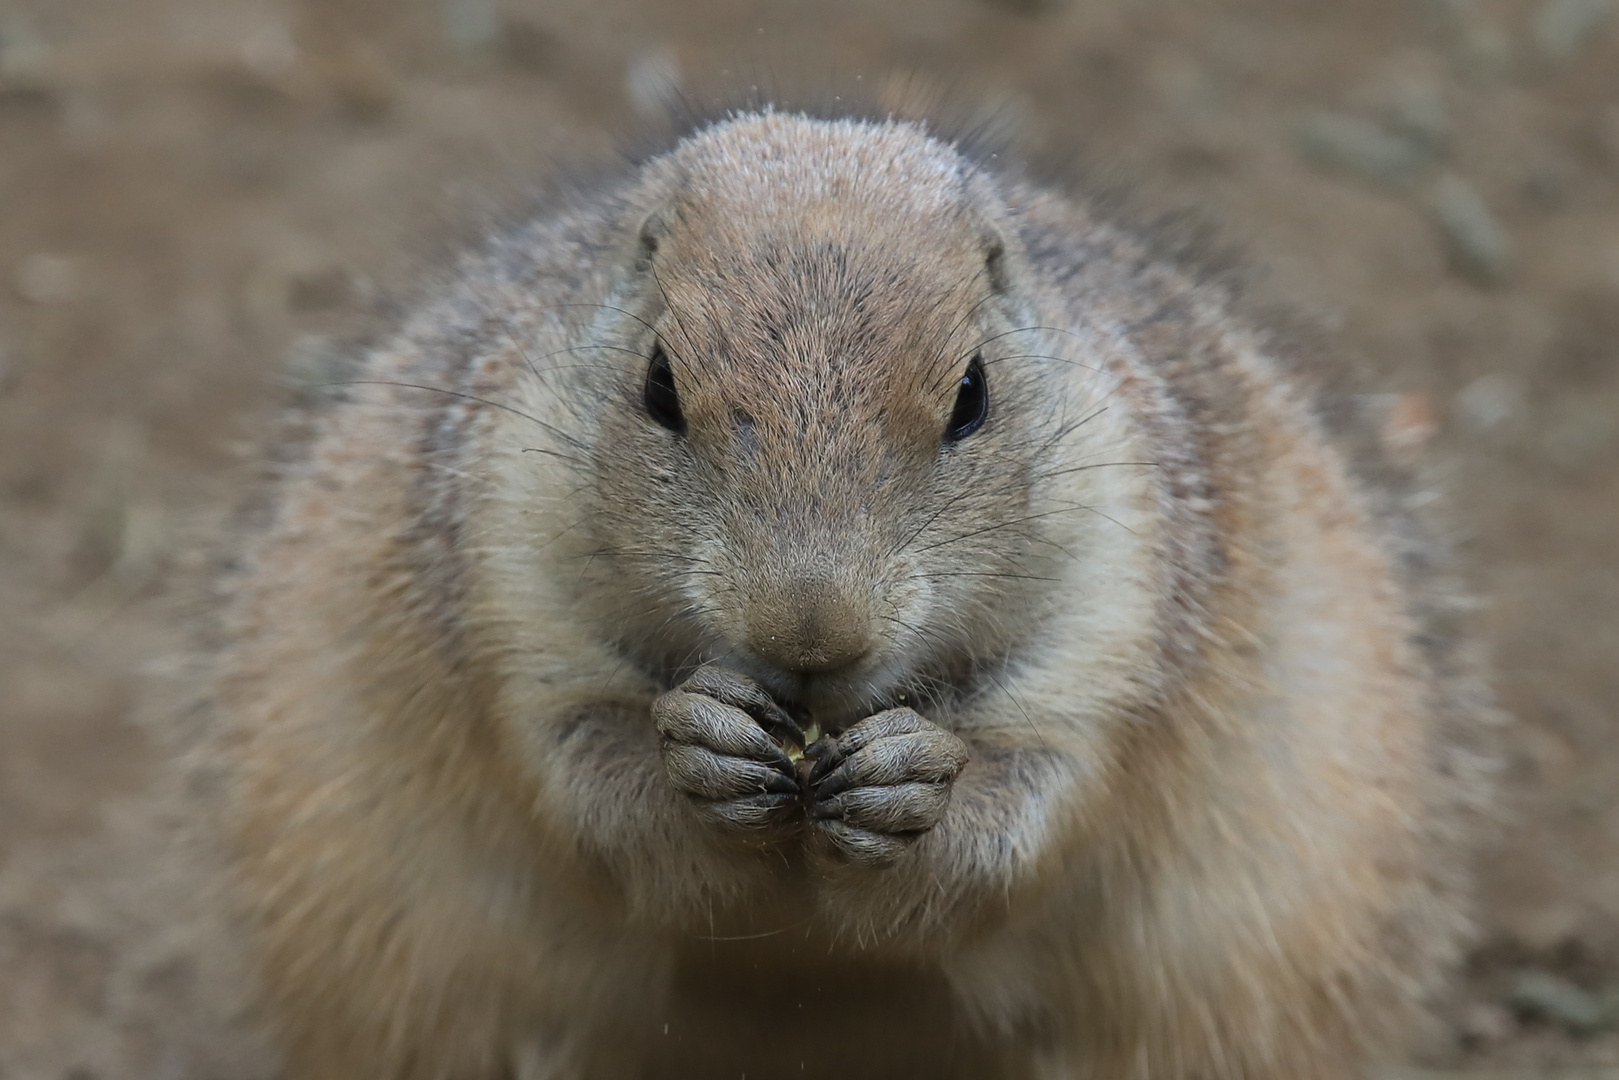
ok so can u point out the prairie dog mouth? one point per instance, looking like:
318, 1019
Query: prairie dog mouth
833, 712
833, 701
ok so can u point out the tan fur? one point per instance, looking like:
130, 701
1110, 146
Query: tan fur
1202, 830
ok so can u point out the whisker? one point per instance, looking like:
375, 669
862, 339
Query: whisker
631, 315
1017, 521
685, 611
1110, 517
988, 672
554, 453
952, 501
1100, 465
981, 342
580, 348
609, 550
755, 937
669, 306
962, 321
1068, 429
518, 345
464, 397
987, 574
1053, 359
1013, 697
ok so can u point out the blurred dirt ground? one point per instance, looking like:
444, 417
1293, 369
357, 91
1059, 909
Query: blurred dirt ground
201, 199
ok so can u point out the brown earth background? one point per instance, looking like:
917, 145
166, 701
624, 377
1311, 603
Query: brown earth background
202, 200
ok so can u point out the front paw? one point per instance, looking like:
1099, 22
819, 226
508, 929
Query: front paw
883, 783
717, 749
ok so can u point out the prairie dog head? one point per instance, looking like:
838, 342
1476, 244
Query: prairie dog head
819, 429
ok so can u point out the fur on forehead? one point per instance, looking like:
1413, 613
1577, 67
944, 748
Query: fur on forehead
777, 162
859, 245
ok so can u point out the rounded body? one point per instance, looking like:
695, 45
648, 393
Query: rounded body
1136, 753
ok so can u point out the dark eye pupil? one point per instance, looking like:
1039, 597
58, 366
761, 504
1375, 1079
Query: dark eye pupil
972, 403
662, 400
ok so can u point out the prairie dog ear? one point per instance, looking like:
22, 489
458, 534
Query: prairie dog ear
993, 244
651, 235
997, 233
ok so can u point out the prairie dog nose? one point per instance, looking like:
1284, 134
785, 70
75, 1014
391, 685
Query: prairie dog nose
808, 624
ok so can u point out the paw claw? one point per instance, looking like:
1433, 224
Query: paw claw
718, 753
740, 692
883, 783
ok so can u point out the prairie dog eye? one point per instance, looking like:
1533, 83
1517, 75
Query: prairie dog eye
662, 400
972, 402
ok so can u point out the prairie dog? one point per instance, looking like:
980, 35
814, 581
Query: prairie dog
1131, 761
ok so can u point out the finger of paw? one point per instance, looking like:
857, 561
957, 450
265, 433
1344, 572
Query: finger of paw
827, 757
701, 721
740, 692
751, 812
882, 725
864, 847
898, 809
830, 753
933, 756
699, 771
671, 714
